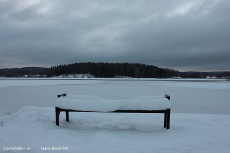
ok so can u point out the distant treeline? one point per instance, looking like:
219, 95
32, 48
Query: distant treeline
25, 72
204, 74
107, 70
110, 70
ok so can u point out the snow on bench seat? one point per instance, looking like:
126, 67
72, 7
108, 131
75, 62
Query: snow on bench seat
94, 103
87, 103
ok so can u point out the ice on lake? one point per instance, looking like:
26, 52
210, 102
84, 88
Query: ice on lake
199, 119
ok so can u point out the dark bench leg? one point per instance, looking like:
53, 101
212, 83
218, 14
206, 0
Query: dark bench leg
165, 119
57, 110
168, 118
67, 116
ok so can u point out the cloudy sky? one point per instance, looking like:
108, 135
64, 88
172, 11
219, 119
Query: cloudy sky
177, 34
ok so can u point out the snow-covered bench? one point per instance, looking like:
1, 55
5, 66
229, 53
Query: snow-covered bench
87, 103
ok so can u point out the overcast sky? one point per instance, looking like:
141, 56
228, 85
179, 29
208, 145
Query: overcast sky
177, 34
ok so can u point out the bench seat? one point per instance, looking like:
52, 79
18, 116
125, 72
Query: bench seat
89, 103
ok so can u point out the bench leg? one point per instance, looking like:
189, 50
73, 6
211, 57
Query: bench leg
165, 119
168, 119
67, 116
57, 110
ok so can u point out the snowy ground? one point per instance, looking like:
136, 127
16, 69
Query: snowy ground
200, 118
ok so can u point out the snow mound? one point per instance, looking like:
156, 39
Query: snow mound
34, 127
94, 103
75, 76
3, 112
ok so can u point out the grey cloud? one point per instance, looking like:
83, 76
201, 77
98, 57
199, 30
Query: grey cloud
175, 34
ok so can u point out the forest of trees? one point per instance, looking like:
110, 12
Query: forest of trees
107, 70
25, 71
110, 70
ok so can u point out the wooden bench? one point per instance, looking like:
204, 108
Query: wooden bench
166, 112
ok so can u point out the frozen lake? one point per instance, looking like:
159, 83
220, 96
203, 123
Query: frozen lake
199, 119
187, 96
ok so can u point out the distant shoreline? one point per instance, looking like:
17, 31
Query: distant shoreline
121, 79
